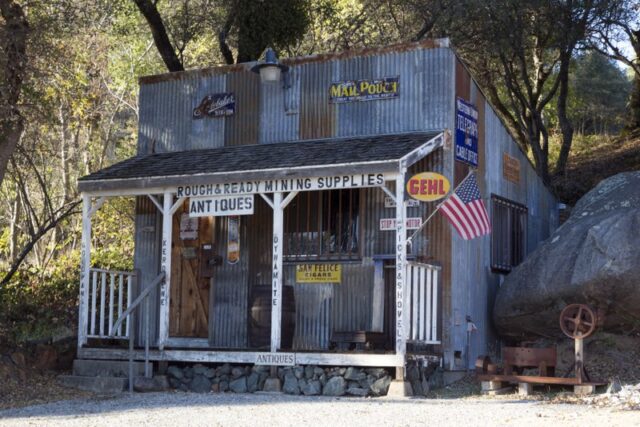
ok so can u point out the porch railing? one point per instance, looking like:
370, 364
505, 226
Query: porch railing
422, 294
110, 294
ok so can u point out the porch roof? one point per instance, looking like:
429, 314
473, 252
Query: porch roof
379, 153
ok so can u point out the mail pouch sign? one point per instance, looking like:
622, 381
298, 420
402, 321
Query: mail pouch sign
364, 90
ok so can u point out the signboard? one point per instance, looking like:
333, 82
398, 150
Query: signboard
283, 184
364, 90
510, 168
276, 359
188, 227
389, 224
318, 273
466, 133
216, 105
233, 239
221, 206
428, 186
389, 202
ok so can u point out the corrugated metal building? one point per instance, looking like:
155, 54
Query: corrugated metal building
212, 294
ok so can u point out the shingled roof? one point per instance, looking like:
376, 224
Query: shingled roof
300, 158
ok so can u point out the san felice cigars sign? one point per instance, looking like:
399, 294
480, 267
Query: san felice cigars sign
428, 186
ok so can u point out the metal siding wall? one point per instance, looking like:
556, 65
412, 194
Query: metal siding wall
228, 312
242, 127
317, 116
275, 124
146, 258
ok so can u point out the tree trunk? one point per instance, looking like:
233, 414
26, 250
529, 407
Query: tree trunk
563, 119
160, 36
13, 74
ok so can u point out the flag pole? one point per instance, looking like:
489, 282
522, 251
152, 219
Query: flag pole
410, 239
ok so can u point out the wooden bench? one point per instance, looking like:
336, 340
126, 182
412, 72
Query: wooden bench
516, 359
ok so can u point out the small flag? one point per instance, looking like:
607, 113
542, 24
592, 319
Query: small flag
465, 211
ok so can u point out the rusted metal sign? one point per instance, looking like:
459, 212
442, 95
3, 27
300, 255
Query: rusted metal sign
216, 105
510, 168
390, 224
428, 186
364, 90
318, 273
466, 133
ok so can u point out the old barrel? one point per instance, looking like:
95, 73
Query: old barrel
260, 317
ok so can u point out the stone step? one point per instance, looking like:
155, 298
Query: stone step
95, 384
106, 368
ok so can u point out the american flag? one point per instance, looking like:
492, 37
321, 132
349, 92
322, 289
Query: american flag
465, 210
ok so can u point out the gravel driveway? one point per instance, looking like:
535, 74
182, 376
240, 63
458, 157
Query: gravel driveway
189, 409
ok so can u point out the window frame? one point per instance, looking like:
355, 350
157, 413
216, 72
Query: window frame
323, 198
515, 233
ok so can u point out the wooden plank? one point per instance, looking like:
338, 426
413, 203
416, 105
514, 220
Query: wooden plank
103, 288
120, 299
434, 311
94, 291
533, 379
85, 272
430, 305
165, 266
129, 296
422, 303
112, 284
276, 286
176, 303
248, 357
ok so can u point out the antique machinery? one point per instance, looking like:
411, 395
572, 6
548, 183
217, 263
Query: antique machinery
578, 321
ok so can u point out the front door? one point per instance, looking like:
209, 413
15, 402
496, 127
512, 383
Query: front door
191, 273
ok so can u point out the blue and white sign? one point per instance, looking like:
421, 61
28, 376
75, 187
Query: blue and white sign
466, 133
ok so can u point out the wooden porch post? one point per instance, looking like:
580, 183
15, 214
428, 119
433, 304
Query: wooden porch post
401, 257
165, 266
85, 265
276, 286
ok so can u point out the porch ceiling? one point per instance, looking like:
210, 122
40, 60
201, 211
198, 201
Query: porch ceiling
372, 154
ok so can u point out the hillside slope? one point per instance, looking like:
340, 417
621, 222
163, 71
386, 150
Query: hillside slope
591, 165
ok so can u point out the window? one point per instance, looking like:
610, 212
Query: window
509, 236
322, 225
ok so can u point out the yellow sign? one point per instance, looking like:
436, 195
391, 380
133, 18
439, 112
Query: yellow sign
318, 273
428, 186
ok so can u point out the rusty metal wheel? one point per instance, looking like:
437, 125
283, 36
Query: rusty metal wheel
577, 321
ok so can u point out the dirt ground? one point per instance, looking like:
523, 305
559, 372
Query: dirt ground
178, 408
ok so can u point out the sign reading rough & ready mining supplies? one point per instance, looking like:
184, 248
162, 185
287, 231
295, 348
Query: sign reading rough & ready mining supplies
318, 273
364, 90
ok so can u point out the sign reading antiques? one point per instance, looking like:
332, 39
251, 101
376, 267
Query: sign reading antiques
283, 184
216, 105
428, 186
466, 133
221, 206
276, 359
318, 273
364, 90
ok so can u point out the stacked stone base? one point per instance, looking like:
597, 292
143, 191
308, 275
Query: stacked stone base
297, 380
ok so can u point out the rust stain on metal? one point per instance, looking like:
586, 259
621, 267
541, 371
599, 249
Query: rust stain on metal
224, 69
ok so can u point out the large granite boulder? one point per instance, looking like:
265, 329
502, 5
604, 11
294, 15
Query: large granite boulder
592, 258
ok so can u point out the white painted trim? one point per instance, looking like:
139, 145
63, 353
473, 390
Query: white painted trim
85, 265
248, 357
288, 199
155, 202
165, 266
401, 258
267, 199
177, 205
97, 205
389, 193
277, 273
424, 150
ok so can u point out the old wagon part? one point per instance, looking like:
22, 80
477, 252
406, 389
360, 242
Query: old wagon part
578, 321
